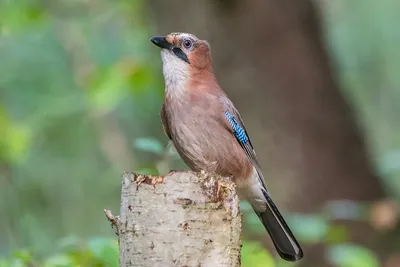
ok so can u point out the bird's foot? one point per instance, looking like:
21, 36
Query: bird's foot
221, 185
152, 180
147, 179
157, 180
139, 180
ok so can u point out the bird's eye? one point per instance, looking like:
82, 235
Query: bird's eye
187, 43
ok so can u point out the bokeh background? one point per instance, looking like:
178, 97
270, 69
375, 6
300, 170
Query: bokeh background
317, 84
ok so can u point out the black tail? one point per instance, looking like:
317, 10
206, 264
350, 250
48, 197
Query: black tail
284, 241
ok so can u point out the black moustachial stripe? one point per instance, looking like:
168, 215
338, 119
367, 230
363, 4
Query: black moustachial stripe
179, 53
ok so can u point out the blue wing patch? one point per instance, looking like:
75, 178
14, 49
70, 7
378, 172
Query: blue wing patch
238, 131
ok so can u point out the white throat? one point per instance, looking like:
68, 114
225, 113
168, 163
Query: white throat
176, 72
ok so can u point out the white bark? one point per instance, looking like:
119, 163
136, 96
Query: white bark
184, 220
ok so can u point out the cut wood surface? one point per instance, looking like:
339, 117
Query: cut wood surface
185, 219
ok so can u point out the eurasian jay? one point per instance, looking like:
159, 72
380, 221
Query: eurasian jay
208, 133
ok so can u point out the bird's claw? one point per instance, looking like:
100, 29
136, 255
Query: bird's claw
157, 180
219, 183
139, 180
220, 188
151, 180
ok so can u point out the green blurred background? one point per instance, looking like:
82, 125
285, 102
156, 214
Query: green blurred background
80, 92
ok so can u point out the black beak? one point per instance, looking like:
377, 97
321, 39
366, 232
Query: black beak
160, 41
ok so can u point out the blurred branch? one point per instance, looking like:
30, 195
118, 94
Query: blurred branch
185, 219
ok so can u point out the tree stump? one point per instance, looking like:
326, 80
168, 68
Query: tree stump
185, 219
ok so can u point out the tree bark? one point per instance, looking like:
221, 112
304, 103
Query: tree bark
184, 219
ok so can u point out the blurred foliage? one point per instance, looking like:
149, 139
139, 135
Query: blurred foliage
363, 38
254, 255
71, 252
80, 93
347, 255
73, 90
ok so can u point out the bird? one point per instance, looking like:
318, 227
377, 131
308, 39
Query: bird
209, 135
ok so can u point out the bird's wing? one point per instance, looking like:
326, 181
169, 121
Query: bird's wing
236, 126
284, 240
164, 120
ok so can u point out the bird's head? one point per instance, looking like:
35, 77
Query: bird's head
183, 54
